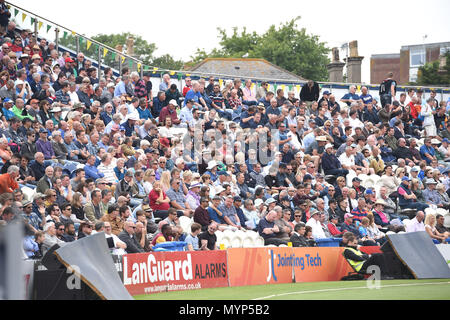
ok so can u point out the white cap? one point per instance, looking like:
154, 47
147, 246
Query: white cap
329, 145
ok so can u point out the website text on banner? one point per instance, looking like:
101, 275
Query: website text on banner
172, 271
258, 266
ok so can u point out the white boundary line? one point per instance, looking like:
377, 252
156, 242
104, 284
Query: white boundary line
351, 288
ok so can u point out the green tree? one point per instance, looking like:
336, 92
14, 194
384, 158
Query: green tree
286, 46
166, 61
429, 74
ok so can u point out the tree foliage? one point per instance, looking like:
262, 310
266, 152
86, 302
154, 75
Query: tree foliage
286, 46
429, 74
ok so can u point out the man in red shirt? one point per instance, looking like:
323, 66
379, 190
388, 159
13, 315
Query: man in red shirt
159, 201
8, 181
335, 232
169, 111
188, 86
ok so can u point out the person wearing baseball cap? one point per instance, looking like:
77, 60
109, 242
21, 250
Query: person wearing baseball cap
169, 111
406, 198
331, 164
332, 226
348, 225
430, 194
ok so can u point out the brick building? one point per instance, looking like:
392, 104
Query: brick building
405, 64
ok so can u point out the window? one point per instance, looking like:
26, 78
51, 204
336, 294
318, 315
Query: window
417, 57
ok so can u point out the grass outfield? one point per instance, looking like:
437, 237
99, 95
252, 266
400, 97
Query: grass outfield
429, 289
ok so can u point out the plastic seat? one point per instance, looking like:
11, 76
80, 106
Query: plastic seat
248, 242
259, 242
236, 242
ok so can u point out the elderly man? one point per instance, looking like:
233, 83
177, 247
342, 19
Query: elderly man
128, 236
406, 198
430, 194
50, 238
8, 180
268, 230
45, 182
316, 225
351, 96
169, 111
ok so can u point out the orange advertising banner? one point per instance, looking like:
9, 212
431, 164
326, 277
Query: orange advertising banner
270, 265
256, 266
319, 264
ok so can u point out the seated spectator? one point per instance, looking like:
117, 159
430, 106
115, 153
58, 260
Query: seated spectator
268, 230
348, 225
316, 226
333, 228
50, 238
298, 236
129, 238
192, 238
430, 228
201, 215
8, 180
416, 224
208, 238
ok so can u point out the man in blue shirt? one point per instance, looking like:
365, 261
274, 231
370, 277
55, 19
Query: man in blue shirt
121, 87
144, 112
91, 170
365, 97
427, 151
6, 110
351, 96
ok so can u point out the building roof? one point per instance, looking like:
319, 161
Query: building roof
245, 68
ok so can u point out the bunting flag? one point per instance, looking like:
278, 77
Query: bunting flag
130, 64
172, 73
297, 87
283, 87
113, 56
48, 27
65, 35
220, 82
252, 86
122, 59
155, 69
23, 17
145, 68
74, 33
188, 74
290, 87
40, 25
16, 12
88, 44
180, 75
32, 20
105, 51
139, 67
358, 88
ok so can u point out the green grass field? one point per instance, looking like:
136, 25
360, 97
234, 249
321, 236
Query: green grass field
430, 289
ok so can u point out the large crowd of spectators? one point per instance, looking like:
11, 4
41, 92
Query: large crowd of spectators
84, 151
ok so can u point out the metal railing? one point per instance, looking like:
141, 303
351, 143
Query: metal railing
188, 73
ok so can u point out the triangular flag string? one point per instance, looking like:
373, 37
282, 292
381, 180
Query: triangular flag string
88, 44
16, 12
48, 27
105, 51
23, 17
40, 25
123, 59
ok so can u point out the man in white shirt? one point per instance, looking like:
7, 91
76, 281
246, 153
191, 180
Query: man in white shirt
347, 159
416, 224
316, 225
294, 142
186, 112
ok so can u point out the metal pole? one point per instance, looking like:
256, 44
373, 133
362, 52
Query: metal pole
120, 66
35, 27
57, 38
99, 61
77, 39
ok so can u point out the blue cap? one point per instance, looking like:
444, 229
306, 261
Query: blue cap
7, 100
222, 173
406, 178
326, 92
42, 130
369, 191
121, 128
445, 140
